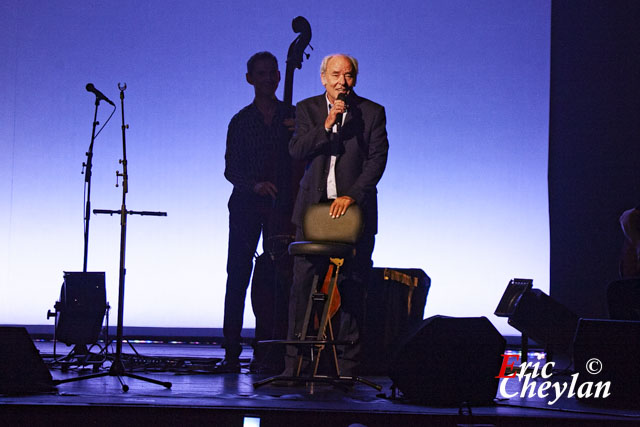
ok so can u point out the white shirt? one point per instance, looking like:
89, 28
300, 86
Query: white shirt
332, 189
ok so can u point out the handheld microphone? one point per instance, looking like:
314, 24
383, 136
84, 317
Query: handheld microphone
342, 97
99, 95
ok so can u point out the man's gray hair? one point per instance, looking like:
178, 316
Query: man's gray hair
354, 63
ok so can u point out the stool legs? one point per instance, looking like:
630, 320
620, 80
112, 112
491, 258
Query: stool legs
307, 317
324, 335
329, 299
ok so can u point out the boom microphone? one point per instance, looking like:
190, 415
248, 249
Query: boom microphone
99, 95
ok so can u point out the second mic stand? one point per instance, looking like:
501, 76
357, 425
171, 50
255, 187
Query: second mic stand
117, 368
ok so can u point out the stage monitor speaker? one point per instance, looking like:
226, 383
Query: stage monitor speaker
545, 321
21, 367
82, 306
448, 361
611, 347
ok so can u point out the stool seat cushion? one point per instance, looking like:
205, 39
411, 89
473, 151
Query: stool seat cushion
328, 249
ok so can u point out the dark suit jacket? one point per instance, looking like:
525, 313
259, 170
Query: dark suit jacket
362, 155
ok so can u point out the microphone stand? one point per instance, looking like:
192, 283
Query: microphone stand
87, 179
117, 368
79, 349
86, 169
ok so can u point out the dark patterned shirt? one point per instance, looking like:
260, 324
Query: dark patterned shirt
258, 152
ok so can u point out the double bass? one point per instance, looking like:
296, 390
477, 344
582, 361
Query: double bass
282, 231
273, 271
295, 57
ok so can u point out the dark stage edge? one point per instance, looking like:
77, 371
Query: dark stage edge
225, 400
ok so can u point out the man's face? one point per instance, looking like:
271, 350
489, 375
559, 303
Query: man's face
339, 77
264, 77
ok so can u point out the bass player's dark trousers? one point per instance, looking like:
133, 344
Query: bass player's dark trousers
248, 218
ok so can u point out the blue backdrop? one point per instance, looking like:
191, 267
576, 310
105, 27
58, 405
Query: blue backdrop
464, 196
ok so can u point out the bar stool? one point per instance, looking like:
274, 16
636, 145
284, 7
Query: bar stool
333, 239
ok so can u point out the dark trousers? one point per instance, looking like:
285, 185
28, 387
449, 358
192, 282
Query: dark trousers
350, 317
247, 220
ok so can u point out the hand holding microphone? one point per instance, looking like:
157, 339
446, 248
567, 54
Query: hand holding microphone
337, 109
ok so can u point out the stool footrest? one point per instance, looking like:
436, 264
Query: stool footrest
307, 342
339, 381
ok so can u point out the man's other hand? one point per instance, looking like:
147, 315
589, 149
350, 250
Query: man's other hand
340, 205
339, 107
265, 188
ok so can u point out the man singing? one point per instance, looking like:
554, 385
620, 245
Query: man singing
343, 139
259, 167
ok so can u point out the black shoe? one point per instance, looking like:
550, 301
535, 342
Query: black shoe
227, 366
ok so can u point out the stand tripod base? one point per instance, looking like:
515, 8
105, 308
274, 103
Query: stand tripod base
116, 370
81, 356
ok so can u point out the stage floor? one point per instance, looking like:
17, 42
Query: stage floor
199, 398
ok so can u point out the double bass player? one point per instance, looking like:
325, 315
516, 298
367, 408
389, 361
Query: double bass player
258, 165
